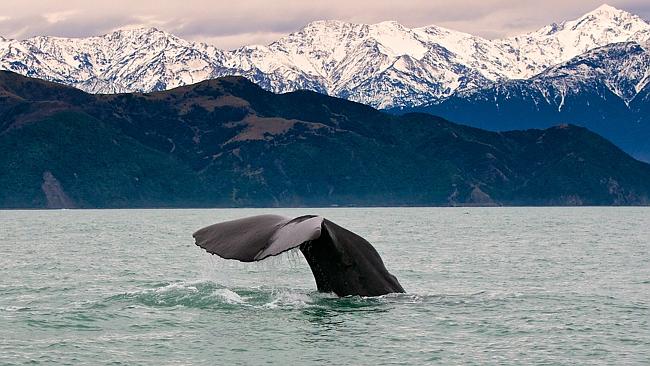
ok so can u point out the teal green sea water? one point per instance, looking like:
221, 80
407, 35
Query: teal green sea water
502, 286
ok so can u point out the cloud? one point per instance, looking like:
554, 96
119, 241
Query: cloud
230, 24
59, 16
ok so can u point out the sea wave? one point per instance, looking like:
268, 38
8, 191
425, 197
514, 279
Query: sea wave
207, 294
211, 295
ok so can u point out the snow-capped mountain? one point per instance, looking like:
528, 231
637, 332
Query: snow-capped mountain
557, 43
621, 69
384, 64
125, 60
605, 89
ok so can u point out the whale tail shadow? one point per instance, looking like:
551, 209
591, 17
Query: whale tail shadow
340, 260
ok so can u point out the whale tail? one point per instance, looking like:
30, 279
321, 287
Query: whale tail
340, 260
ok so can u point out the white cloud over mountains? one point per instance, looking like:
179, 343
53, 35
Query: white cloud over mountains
230, 24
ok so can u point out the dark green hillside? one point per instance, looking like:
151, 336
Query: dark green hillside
94, 164
227, 142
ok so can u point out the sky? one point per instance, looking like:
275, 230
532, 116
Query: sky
234, 23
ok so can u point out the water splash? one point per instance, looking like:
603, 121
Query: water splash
287, 298
206, 294
229, 296
210, 295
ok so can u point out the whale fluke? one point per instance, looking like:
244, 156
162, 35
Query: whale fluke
341, 261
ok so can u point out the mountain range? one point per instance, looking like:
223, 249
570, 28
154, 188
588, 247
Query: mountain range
592, 71
228, 142
606, 90
385, 65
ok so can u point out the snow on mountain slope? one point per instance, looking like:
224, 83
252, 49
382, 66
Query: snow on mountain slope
605, 89
621, 69
384, 64
377, 64
561, 42
125, 60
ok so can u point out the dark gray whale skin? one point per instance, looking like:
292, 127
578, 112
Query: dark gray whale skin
342, 262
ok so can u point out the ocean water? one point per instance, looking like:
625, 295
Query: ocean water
502, 286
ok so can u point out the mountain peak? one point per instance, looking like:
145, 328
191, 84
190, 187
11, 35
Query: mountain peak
325, 23
599, 27
603, 19
609, 14
144, 38
137, 30
389, 24
607, 8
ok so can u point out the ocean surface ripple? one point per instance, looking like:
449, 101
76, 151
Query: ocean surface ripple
503, 286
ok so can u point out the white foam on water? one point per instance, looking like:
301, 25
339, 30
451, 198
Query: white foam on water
164, 289
286, 298
229, 296
178, 286
12, 309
